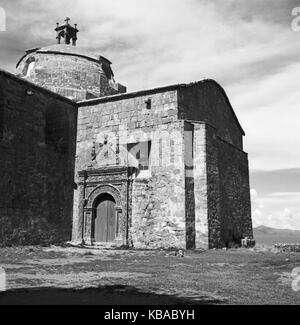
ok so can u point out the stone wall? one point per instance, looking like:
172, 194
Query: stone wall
214, 194
72, 76
235, 203
207, 102
196, 192
159, 202
127, 117
229, 209
190, 224
158, 197
200, 185
37, 147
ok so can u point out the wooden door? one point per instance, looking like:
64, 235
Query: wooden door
105, 223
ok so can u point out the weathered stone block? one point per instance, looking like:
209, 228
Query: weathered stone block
37, 148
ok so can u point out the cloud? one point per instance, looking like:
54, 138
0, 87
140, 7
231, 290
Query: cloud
285, 219
276, 181
267, 210
286, 194
250, 49
256, 202
256, 205
257, 218
168, 41
272, 115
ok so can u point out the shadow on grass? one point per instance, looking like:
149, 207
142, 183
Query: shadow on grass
103, 295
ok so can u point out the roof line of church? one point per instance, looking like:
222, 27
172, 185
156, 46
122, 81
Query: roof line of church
158, 90
60, 52
137, 93
33, 86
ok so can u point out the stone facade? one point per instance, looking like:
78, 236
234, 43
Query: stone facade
69, 71
37, 148
194, 190
159, 168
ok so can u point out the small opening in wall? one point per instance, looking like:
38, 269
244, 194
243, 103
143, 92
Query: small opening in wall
29, 92
148, 103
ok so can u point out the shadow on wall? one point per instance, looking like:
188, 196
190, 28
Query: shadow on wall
103, 295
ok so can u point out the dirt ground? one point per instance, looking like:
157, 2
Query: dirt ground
56, 275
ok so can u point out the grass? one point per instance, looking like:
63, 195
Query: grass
69, 275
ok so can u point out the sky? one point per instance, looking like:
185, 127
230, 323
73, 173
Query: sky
250, 47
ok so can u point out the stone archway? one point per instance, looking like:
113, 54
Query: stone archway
94, 182
103, 215
105, 219
104, 189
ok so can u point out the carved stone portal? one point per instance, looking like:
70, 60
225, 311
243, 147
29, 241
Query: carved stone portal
113, 181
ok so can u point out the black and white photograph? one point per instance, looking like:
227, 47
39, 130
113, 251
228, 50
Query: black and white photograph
149, 155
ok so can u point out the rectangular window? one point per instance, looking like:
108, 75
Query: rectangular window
141, 151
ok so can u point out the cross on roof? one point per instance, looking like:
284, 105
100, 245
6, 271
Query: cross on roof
66, 32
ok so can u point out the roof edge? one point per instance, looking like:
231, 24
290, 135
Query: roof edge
68, 54
228, 102
152, 91
45, 51
144, 92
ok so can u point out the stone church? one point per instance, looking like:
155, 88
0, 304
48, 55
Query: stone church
157, 168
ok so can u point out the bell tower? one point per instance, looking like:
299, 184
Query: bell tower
66, 32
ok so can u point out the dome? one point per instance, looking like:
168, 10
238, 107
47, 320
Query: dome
69, 70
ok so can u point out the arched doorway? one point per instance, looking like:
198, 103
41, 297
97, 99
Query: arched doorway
104, 221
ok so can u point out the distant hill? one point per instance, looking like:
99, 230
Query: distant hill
269, 236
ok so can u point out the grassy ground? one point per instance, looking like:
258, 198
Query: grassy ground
37, 275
